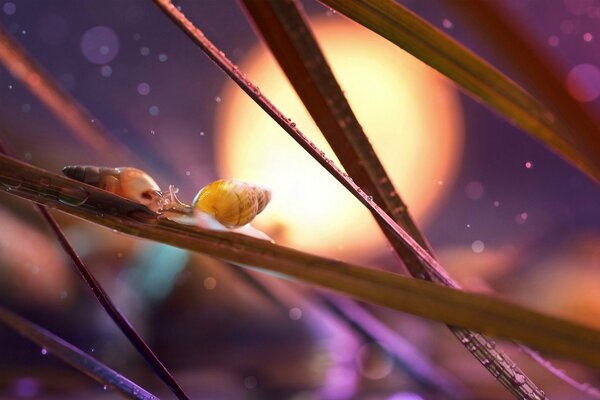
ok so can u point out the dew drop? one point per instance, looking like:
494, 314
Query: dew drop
44, 351
105, 387
10, 184
519, 378
73, 196
45, 182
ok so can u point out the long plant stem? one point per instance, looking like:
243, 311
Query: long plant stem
284, 27
482, 313
119, 319
475, 76
538, 71
27, 71
74, 357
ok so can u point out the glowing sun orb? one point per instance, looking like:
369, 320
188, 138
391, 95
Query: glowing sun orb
411, 114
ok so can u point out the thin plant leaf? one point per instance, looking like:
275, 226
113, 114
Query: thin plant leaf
74, 357
118, 318
475, 76
113, 312
482, 313
287, 32
27, 71
536, 69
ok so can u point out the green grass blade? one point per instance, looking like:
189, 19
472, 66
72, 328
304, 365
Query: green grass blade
74, 357
481, 313
474, 75
285, 30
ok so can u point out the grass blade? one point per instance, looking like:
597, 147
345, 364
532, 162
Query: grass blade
74, 357
288, 35
27, 71
118, 318
479, 312
537, 70
478, 78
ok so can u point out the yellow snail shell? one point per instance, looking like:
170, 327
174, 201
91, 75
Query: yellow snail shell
232, 203
131, 183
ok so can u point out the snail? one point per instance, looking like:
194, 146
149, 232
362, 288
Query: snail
225, 204
232, 203
131, 183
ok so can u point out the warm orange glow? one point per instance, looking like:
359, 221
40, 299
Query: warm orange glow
411, 114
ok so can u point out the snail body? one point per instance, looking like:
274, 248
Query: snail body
128, 182
232, 203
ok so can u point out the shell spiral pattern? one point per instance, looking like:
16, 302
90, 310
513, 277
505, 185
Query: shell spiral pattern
131, 183
233, 203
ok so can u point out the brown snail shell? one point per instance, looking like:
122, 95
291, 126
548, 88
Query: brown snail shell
131, 183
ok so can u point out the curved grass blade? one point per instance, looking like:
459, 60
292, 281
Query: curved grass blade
537, 70
478, 78
27, 71
113, 312
285, 29
479, 312
74, 357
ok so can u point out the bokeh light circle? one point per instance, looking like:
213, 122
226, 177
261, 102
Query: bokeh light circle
100, 45
411, 114
583, 82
